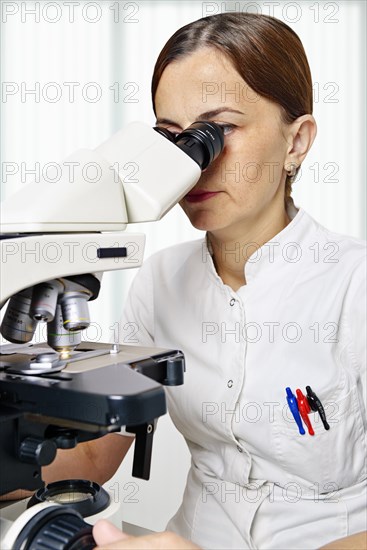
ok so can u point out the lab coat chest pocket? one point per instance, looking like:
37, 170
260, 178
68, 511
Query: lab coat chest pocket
333, 458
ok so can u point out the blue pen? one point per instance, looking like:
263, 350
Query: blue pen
292, 402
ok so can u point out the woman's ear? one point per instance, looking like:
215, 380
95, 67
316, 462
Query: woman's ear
301, 135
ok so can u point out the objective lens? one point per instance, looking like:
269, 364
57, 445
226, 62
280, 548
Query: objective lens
60, 339
44, 299
202, 141
75, 310
17, 326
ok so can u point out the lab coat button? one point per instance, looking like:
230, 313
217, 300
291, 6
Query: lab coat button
239, 449
230, 383
232, 302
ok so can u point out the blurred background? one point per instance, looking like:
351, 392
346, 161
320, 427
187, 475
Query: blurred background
74, 72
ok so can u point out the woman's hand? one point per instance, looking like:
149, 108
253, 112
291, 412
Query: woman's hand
353, 542
107, 536
97, 459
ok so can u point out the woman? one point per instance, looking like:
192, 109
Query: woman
270, 299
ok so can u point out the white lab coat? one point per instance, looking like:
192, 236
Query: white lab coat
300, 320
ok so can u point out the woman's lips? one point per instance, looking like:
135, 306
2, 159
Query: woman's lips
199, 196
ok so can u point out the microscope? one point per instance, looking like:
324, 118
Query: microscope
56, 242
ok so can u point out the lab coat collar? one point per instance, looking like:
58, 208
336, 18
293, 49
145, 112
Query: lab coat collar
286, 247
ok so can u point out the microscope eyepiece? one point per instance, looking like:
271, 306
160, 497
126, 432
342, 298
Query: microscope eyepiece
164, 132
202, 141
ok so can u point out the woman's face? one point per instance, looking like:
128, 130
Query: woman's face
249, 174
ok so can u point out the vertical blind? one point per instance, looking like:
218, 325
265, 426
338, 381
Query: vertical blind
74, 72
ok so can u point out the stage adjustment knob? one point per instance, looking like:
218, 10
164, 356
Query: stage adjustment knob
35, 450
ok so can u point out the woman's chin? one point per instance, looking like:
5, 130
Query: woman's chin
204, 219
204, 224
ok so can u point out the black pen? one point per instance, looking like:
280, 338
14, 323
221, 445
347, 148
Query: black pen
316, 406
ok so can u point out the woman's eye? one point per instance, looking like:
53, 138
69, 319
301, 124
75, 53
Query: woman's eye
173, 131
227, 128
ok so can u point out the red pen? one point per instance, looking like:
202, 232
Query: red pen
304, 409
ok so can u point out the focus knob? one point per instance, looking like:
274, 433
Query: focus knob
54, 528
68, 531
35, 450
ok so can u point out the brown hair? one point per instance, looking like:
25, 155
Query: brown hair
267, 54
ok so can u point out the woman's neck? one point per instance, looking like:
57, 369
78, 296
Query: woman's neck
231, 247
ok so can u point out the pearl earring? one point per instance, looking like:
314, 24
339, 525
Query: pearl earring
291, 172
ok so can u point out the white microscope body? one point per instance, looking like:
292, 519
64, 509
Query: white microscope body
56, 242
78, 211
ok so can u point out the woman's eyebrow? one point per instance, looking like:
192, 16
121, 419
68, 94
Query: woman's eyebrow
203, 116
215, 112
165, 121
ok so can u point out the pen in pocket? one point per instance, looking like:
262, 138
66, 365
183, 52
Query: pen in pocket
302, 405
304, 408
316, 406
292, 402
